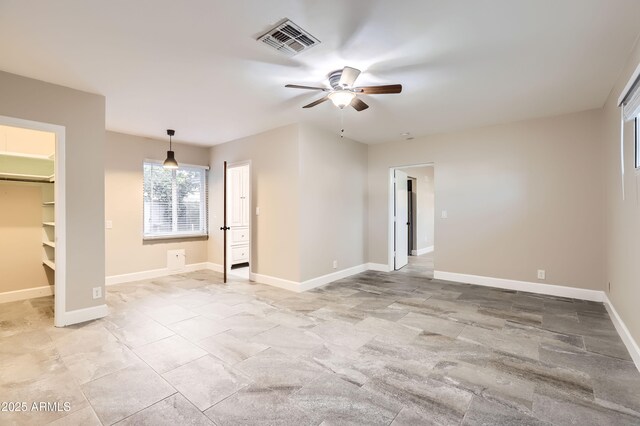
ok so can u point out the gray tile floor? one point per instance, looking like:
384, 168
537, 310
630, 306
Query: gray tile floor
376, 348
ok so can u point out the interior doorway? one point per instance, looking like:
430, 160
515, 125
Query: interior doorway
412, 218
238, 204
32, 226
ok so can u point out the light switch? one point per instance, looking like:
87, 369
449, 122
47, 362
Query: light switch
257, 211
108, 224
444, 214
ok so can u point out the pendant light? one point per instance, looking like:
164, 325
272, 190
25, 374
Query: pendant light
170, 162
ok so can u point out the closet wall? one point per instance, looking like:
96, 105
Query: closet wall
21, 247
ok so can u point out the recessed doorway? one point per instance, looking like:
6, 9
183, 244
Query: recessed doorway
32, 227
412, 219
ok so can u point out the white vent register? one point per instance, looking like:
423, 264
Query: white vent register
288, 38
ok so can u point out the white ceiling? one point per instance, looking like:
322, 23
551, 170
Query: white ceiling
195, 65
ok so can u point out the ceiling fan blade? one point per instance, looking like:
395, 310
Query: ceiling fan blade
314, 103
297, 86
380, 90
358, 104
348, 77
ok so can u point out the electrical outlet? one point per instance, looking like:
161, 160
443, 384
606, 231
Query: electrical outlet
257, 211
108, 224
541, 274
444, 214
97, 292
335, 264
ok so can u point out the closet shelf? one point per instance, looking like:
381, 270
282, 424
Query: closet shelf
49, 223
50, 264
49, 243
31, 178
23, 155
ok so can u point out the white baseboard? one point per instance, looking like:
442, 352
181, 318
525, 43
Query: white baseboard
157, 273
276, 282
334, 276
380, 267
550, 289
299, 287
422, 251
214, 267
81, 315
28, 293
623, 331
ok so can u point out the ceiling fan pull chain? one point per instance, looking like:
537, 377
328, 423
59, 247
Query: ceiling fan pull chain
341, 123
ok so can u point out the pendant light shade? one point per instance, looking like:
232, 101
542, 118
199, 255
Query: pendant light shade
170, 162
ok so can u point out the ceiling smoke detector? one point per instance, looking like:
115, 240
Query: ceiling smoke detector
288, 38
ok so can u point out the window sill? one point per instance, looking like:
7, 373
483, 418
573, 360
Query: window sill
174, 237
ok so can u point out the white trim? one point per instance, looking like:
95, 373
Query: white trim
83, 315
422, 251
156, 273
60, 274
27, 293
334, 276
380, 267
275, 282
623, 331
550, 289
627, 87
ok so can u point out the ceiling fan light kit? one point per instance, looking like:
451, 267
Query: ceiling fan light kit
342, 92
341, 98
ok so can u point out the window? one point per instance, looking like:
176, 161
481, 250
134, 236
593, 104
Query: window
175, 201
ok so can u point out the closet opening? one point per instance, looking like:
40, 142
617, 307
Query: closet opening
32, 244
238, 193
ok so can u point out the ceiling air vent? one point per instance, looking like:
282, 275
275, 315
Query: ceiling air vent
288, 38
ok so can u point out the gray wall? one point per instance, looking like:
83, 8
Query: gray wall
520, 197
125, 250
622, 216
83, 116
275, 188
333, 208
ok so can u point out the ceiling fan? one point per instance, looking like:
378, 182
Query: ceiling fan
342, 93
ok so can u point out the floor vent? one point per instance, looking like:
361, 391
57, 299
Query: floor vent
288, 38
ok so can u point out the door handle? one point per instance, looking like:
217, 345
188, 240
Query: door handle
224, 228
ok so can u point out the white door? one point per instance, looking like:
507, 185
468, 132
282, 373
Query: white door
402, 220
245, 196
234, 204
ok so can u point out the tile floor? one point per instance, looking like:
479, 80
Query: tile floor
376, 348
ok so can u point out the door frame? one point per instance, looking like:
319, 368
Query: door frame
227, 266
59, 209
391, 201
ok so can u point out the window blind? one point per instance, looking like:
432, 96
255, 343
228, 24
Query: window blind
175, 201
631, 102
